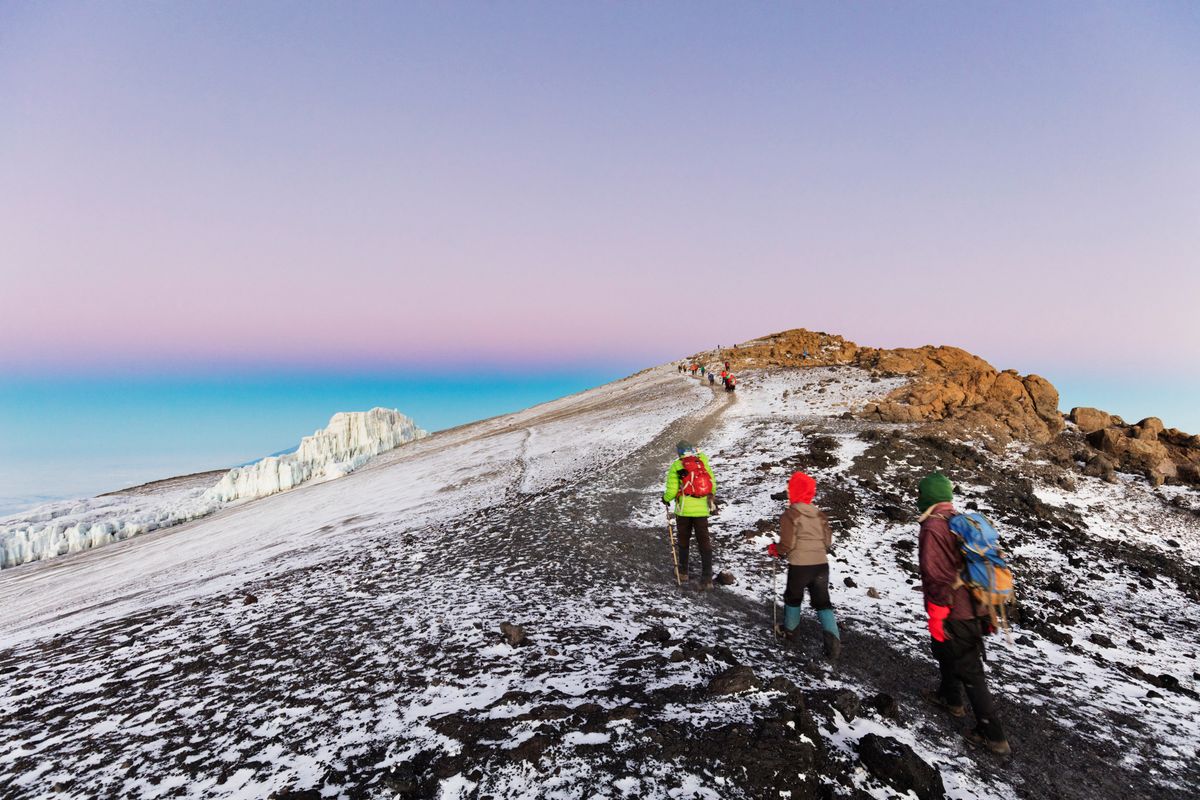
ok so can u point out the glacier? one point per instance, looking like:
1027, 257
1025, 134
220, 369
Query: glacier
349, 441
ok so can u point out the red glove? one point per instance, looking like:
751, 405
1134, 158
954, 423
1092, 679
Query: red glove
937, 618
773, 550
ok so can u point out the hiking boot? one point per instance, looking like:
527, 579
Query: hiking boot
833, 645
706, 584
976, 738
933, 698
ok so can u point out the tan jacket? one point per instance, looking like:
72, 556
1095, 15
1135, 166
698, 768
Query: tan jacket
804, 535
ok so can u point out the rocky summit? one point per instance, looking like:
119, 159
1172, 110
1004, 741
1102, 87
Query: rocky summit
492, 612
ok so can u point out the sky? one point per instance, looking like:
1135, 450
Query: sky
355, 188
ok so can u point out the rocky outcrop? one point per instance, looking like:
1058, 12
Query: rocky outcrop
950, 389
1162, 454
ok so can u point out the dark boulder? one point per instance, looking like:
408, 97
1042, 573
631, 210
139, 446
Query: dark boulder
826, 701
513, 634
733, 681
896, 765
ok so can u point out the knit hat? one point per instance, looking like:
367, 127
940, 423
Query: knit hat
684, 447
801, 488
934, 488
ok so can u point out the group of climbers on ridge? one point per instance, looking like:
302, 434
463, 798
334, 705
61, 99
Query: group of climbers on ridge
728, 379
957, 623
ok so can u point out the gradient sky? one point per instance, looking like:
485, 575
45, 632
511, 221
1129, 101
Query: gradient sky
208, 186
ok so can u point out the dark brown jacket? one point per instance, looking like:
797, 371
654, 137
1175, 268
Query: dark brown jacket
804, 535
942, 563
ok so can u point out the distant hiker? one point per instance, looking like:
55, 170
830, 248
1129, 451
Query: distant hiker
727, 366
701, 370
690, 485
805, 538
712, 379
731, 384
956, 626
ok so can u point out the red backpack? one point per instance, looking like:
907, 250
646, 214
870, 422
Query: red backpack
697, 482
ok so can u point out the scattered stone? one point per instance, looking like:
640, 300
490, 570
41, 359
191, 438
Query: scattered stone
513, 634
873, 593
885, 705
1100, 639
249, 600
296, 794
725, 578
1152, 694
1060, 638
733, 681
895, 764
1134, 644
826, 701
657, 634
849, 582
781, 684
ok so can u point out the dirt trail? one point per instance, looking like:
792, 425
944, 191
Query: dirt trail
1052, 760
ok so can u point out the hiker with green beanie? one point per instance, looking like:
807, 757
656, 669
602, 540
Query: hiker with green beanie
690, 485
956, 626
805, 538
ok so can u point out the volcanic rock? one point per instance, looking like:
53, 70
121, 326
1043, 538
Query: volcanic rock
733, 681
826, 701
513, 634
895, 764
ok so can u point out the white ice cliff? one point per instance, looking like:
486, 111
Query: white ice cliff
54, 529
344, 445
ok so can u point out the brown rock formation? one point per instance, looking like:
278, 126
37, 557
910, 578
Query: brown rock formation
1148, 448
1090, 419
951, 388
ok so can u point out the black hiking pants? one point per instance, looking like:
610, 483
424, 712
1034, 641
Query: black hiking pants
960, 660
814, 578
699, 526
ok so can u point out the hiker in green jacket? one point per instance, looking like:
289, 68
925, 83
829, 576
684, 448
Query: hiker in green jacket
690, 485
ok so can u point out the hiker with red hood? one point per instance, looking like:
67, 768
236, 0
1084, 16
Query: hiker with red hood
804, 540
956, 626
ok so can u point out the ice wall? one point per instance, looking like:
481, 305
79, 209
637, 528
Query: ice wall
348, 442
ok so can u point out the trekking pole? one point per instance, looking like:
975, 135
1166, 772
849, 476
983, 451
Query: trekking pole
774, 604
674, 552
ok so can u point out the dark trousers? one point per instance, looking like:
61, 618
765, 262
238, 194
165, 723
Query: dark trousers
699, 526
960, 660
814, 578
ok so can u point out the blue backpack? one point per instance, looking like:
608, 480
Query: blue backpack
986, 572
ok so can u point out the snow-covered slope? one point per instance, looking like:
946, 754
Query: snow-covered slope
350, 440
342, 639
